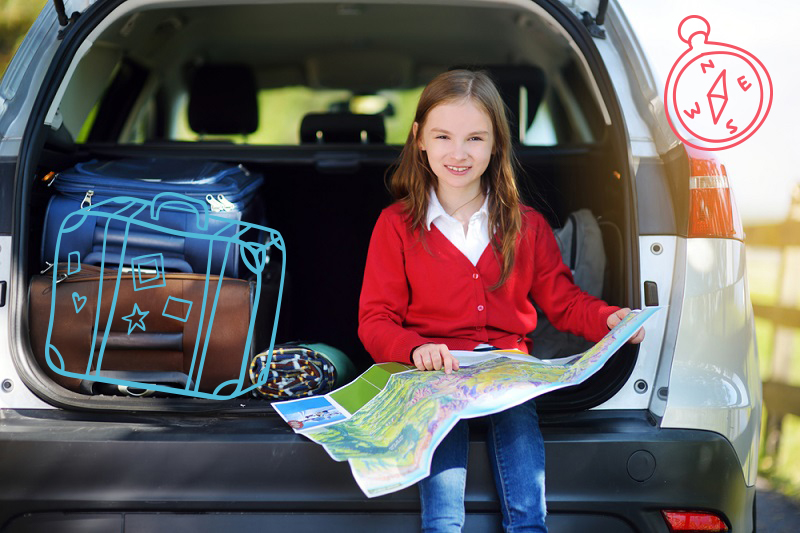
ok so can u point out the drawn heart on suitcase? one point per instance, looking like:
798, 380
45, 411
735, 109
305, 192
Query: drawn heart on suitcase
75, 299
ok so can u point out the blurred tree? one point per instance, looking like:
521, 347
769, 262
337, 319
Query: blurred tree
16, 18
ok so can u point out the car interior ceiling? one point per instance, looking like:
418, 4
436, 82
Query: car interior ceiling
401, 35
325, 197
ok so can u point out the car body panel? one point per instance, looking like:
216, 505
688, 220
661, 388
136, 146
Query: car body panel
641, 143
147, 464
643, 84
13, 392
714, 381
639, 391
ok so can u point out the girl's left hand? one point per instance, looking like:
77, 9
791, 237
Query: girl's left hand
615, 318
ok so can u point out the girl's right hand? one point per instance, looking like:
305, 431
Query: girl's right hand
434, 357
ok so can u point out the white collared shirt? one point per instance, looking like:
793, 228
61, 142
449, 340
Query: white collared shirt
475, 241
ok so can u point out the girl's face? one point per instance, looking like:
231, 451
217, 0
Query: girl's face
458, 140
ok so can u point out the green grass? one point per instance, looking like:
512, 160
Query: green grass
783, 471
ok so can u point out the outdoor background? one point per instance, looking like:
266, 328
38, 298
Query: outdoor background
762, 171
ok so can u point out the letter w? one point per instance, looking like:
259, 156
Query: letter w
692, 112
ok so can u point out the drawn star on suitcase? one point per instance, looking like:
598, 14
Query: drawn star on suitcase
139, 322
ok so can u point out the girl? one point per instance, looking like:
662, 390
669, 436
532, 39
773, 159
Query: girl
455, 264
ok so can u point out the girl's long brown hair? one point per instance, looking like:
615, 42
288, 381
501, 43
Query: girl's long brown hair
413, 177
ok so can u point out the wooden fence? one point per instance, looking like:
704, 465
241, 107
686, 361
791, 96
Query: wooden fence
781, 398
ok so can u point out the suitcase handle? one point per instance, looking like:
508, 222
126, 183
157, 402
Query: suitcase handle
180, 202
171, 264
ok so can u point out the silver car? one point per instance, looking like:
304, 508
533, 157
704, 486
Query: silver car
663, 438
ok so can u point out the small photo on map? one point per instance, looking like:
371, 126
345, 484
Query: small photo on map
307, 413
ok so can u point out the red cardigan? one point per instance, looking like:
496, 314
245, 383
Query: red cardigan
412, 295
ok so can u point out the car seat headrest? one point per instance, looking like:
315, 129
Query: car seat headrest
342, 128
223, 100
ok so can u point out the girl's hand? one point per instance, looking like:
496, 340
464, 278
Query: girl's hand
434, 357
615, 318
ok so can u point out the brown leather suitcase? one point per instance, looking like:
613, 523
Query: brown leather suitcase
180, 334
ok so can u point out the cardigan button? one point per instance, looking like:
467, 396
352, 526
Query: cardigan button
475, 276
480, 308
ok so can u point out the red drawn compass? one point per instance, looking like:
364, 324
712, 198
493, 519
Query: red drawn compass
716, 93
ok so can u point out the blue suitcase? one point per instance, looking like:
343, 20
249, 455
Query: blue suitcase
228, 191
112, 305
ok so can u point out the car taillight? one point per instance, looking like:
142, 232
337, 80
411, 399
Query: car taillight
694, 521
712, 208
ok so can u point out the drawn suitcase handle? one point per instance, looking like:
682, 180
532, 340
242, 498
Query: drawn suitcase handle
182, 202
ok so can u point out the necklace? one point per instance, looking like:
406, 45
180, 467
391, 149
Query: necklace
453, 214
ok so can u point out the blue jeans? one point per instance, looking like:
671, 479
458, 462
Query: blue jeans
516, 452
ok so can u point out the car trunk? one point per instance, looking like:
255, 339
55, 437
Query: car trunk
326, 220
325, 199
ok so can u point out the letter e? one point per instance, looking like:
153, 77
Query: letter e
743, 84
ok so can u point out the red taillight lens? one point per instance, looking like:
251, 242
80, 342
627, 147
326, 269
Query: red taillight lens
712, 209
694, 521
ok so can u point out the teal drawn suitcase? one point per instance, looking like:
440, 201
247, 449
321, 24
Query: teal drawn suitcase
143, 277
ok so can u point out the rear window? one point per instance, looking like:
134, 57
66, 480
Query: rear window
128, 90
281, 112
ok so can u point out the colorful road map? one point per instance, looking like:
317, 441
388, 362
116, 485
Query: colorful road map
389, 420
